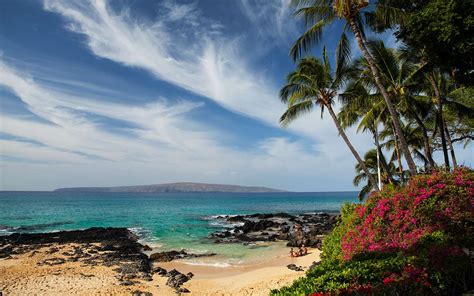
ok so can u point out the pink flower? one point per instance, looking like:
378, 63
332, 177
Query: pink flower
388, 280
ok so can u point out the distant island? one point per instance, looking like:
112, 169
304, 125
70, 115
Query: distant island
174, 187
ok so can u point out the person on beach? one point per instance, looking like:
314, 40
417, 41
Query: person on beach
304, 249
293, 254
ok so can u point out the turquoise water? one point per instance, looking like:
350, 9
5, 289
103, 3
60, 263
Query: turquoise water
167, 220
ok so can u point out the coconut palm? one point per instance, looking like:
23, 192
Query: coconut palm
313, 84
318, 14
449, 99
398, 73
440, 91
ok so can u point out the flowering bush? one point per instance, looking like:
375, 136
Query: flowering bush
395, 220
401, 241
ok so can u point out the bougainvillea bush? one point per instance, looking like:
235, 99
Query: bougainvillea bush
413, 240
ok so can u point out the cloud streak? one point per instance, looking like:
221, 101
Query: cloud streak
204, 64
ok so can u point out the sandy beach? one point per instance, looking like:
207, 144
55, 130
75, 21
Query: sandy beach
41, 272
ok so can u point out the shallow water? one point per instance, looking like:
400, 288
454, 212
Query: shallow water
166, 220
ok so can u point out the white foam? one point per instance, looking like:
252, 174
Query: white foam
220, 217
212, 264
145, 237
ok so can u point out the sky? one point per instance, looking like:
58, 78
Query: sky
108, 93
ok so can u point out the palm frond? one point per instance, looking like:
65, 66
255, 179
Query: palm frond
343, 58
295, 111
389, 16
307, 40
461, 110
364, 192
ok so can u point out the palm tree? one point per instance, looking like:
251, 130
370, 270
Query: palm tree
369, 110
445, 96
318, 14
314, 84
398, 73
451, 97
370, 161
415, 141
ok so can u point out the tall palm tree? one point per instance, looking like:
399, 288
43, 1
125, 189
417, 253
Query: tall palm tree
320, 13
441, 92
447, 97
314, 84
452, 98
398, 73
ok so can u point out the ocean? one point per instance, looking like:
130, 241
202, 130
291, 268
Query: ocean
162, 220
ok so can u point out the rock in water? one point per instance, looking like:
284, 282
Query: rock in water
172, 255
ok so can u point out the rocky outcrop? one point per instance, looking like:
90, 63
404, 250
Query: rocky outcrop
306, 229
175, 278
294, 267
96, 246
173, 255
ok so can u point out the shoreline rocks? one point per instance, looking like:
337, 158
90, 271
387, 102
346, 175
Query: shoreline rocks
307, 229
294, 267
97, 246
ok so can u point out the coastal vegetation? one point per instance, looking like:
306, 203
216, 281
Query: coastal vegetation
411, 240
413, 234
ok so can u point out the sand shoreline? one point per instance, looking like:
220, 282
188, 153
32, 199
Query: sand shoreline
25, 274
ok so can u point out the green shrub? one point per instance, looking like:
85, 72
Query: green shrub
332, 243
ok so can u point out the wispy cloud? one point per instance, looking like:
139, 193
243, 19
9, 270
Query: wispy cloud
206, 65
273, 20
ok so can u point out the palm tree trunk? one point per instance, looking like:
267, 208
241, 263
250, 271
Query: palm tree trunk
376, 138
399, 160
426, 141
439, 102
383, 91
383, 162
354, 152
385, 167
450, 144
397, 153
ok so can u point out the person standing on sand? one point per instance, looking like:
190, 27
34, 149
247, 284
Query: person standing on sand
303, 250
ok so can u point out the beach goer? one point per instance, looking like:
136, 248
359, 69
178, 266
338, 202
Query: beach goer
294, 253
305, 249
301, 251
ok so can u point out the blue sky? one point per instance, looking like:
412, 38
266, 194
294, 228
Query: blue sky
103, 93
